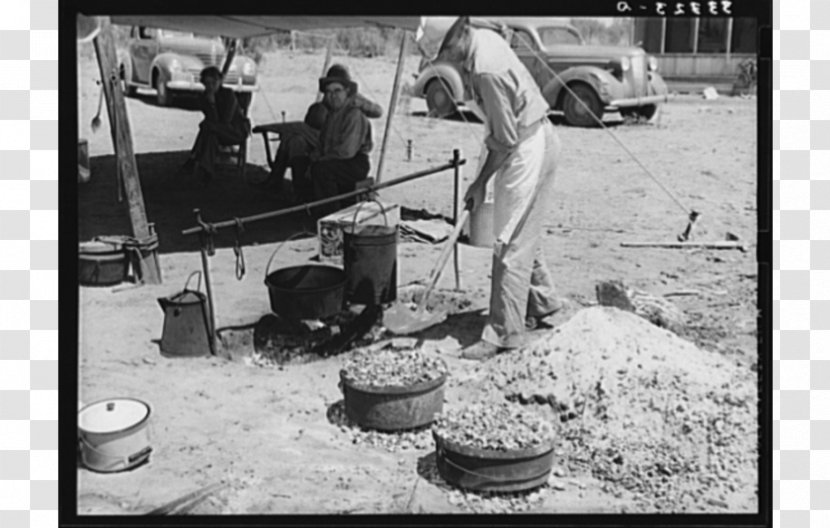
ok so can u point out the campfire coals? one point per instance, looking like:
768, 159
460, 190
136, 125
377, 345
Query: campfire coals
394, 442
494, 426
391, 367
278, 341
281, 342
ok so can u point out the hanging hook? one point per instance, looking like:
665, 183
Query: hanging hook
237, 250
206, 236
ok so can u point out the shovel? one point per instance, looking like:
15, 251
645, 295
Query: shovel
401, 320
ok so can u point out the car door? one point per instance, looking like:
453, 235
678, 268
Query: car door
143, 49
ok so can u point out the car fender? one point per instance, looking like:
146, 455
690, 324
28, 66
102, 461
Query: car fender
602, 81
445, 71
656, 84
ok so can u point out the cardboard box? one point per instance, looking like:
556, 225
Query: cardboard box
330, 228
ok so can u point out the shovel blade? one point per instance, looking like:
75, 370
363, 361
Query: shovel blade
401, 320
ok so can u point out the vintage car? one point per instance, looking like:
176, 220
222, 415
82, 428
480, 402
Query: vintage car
605, 78
170, 62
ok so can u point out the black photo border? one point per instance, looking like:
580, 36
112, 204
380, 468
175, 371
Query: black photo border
68, 259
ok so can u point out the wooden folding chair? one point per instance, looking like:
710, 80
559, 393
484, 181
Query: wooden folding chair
238, 154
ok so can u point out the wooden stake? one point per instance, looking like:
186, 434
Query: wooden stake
123, 144
392, 104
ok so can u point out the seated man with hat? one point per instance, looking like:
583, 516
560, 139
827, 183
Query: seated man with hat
342, 156
294, 150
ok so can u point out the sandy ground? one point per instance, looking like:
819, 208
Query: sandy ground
272, 431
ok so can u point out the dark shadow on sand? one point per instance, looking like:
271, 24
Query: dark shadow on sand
170, 198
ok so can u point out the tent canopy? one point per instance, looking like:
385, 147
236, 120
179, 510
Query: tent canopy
243, 26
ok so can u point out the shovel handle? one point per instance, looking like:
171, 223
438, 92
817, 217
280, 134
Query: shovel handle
435, 274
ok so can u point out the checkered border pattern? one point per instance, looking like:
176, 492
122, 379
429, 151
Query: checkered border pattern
801, 264
29, 264
29, 257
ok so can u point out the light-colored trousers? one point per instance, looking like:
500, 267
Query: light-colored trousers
521, 282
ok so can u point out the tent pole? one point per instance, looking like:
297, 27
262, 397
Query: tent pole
123, 144
392, 103
456, 158
229, 57
329, 48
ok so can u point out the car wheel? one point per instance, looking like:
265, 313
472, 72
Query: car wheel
576, 113
163, 95
648, 112
439, 101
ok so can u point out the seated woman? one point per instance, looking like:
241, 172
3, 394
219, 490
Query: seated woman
342, 158
224, 124
295, 148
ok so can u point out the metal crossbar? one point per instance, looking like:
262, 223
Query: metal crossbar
236, 222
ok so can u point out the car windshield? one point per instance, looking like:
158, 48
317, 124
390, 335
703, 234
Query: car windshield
553, 36
186, 34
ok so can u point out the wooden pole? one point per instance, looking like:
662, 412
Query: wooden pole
729, 28
304, 207
229, 57
123, 144
456, 157
329, 48
727, 244
208, 285
393, 102
695, 35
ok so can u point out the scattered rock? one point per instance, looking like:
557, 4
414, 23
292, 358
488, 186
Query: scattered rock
658, 310
497, 427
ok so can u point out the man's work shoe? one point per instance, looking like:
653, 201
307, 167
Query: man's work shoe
532, 322
481, 351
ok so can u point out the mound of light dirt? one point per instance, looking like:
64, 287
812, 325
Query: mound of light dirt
641, 408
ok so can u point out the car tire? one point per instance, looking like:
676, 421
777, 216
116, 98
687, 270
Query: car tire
440, 102
125, 72
575, 112
163, 95
648, 112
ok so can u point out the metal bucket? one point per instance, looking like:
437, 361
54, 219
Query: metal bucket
102, 262
186, 331
370, 259
481, 225
309, 291
487, 470
393, 408
113, 434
